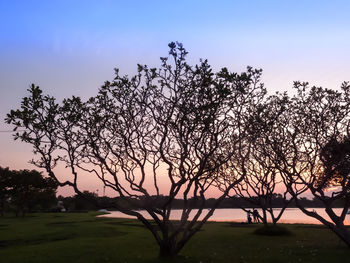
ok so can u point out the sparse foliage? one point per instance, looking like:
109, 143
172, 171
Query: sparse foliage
310, 148
176, 130
262, 185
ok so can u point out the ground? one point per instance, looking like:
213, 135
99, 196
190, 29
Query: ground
85, 238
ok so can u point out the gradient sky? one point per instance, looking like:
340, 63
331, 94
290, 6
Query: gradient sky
71, 47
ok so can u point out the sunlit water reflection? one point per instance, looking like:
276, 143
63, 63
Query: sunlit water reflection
290, 215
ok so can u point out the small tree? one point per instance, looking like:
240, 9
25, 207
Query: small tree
170, 131
310, 148
29, 189
263, 186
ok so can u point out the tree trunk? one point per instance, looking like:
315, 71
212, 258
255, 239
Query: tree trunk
2, 207
342, 233
264, 217
167, 250
337, 224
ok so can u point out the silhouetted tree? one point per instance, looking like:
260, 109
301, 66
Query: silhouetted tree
29, 189
309, 146
26, 190
171, 129
263, 184
4, 188
168, 131
260, 187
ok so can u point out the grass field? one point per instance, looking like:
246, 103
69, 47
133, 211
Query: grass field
86, 238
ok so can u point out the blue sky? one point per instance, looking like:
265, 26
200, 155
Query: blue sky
71, 47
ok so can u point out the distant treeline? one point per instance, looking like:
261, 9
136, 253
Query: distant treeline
28, 191
94, 202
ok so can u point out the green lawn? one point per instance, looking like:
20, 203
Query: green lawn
85, 238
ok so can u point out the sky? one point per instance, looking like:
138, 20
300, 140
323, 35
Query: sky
71, 47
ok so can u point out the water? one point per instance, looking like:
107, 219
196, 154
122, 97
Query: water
290, 215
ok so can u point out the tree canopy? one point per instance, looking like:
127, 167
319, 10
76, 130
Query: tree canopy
178, 131
308, 144
181, 126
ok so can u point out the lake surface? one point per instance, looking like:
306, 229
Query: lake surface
290, 215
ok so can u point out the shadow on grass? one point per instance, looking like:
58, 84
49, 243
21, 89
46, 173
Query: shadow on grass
125, 223
240, 224
59, 223
34, 241
272, 230
311, 226
177, 259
